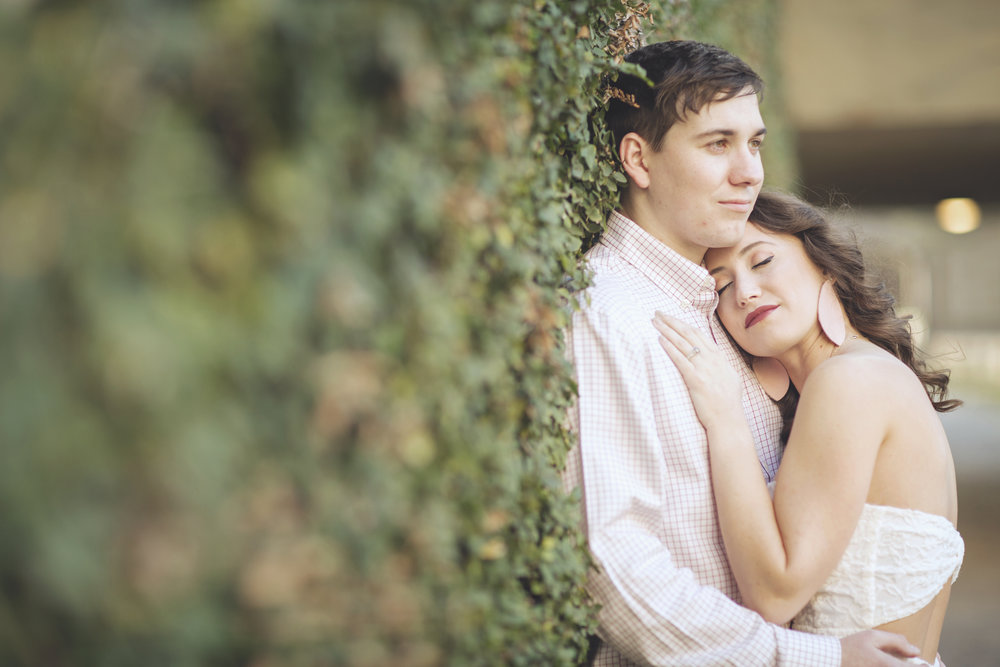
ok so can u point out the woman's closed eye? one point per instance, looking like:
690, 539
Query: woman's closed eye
762, 263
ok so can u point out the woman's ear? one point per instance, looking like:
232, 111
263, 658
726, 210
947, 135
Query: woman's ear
633, 150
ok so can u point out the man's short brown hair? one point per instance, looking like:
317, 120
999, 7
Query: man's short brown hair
686, 76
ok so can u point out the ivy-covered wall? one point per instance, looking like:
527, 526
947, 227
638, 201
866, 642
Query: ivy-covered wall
281, 287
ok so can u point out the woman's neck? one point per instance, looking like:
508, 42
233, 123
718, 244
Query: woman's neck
802, 360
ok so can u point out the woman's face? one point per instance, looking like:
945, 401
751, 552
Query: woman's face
768, 291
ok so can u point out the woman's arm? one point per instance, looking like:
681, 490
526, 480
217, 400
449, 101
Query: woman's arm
782, 552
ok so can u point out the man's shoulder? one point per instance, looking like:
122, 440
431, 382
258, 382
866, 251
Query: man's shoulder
609, 271
618, 295
613, 282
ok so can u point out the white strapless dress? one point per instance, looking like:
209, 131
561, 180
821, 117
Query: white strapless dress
897, 561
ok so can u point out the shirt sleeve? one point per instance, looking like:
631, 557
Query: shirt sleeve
652, 611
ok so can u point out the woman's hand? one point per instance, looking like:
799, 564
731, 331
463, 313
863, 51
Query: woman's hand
715, 386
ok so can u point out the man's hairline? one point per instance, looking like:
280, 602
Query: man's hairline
682, 112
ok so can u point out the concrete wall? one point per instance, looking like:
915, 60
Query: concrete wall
866, 63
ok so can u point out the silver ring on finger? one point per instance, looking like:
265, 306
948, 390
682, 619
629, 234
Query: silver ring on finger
695, 351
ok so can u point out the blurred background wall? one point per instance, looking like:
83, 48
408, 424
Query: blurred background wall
895, 107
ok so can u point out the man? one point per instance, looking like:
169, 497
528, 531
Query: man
690, 146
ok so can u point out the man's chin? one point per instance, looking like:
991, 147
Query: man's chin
729, 236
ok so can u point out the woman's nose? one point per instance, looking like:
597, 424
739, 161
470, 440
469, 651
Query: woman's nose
746, 291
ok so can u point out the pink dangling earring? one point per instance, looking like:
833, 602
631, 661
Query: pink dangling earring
831, 315
772, 377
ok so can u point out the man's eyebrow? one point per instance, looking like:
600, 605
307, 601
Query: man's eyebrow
725, 132
742, 252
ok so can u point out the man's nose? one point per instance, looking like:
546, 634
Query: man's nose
747, 168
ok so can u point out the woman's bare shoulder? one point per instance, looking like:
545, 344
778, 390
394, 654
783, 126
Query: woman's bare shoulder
848, 406
862, 369
864, 381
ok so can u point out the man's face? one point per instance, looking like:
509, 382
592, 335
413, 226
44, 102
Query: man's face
705, 178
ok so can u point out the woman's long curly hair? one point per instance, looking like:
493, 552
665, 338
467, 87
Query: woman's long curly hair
867, 302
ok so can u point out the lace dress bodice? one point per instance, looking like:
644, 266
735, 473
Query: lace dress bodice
897, 561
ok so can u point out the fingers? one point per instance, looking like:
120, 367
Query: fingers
669, 342
672, 341
895, 644
688, 333
876, 647
683, 338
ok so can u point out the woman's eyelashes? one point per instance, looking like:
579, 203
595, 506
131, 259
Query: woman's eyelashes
757, 265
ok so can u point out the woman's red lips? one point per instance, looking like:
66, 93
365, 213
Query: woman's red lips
757, 315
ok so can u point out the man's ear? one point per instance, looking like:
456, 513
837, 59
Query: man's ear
633, 150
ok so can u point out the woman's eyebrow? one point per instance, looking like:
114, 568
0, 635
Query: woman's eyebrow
742, 252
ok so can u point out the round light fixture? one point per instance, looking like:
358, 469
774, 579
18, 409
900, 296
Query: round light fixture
958, 215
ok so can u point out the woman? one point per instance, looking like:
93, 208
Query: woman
861, 532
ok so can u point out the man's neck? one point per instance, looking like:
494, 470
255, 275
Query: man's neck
638, 211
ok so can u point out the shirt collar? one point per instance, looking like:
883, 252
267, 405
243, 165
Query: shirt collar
666, 268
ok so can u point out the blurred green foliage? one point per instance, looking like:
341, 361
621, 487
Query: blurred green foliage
281, 287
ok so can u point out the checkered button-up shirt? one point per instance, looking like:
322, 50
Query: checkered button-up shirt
667, 594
